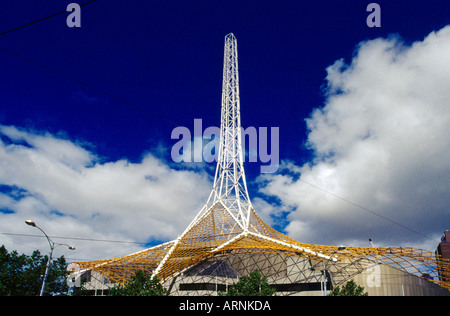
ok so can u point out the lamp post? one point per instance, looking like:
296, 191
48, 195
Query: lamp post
52, 245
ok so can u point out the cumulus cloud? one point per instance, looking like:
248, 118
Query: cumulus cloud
380, 141
69, 191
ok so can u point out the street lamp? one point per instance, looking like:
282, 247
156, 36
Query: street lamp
52, 245
31, 223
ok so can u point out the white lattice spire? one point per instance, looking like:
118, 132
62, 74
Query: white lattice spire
230, 187
228, 213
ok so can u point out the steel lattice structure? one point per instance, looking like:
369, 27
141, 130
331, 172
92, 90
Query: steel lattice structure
227, 229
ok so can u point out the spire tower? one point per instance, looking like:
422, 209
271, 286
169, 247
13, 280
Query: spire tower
230, 187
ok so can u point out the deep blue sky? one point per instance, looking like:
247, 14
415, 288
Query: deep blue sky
166, 58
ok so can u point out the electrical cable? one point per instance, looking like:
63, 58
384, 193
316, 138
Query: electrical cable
69, 77
368, 210
41, 19
84, 239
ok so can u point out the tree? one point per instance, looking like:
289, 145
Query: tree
252, 285
21, 275
349, 289
141, 284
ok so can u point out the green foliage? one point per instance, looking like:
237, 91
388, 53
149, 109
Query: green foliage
141, 284
252, 285
21, 275
349, 289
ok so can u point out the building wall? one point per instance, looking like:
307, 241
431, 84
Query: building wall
382, 280
444, 246
443, 249
297, 276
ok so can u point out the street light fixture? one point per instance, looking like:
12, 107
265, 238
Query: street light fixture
31, 223
52, 245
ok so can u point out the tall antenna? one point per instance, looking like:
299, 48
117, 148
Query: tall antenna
228, 211
230, 186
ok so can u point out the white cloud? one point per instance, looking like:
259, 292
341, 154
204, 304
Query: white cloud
68, 191
380, 141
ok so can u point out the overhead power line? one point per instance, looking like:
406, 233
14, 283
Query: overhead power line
41, 19
79, 238
368, 210
69, 77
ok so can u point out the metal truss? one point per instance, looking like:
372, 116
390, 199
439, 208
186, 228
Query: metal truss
208, 241
228, 236
230, 186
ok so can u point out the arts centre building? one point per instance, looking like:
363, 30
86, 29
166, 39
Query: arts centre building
227, 240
